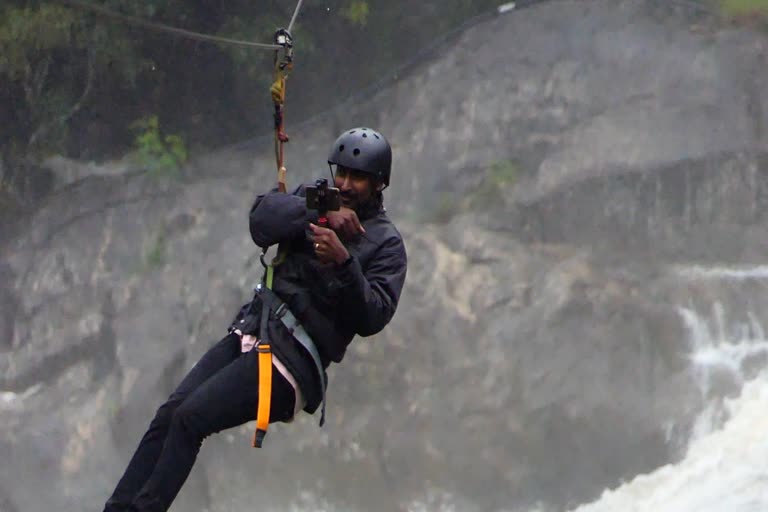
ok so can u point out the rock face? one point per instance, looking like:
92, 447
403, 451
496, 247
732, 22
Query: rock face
572, 153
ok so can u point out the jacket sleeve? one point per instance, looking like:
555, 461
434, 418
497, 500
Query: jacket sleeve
277, 217
371, 296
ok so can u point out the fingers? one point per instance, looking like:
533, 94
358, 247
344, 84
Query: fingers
358, 226
319, 246
328, 248
321, 236
319, 230
353, 222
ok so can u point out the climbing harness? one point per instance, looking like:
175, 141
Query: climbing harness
265, 379
270, 302
283, 63
272, 306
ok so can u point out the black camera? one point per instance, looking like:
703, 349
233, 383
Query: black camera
323, 198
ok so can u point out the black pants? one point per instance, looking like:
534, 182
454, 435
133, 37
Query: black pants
220, 392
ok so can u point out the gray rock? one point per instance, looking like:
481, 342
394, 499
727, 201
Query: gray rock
539, 352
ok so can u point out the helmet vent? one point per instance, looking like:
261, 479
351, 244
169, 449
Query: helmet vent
341, 148
365, 135
376, 136
353, 131
356, 152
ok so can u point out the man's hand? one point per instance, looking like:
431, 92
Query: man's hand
345, 223
328, 247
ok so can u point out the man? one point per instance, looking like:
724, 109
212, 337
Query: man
333, 282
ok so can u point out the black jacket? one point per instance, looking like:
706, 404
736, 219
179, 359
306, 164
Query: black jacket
333, 303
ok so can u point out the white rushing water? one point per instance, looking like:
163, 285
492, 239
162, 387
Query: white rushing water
723, 471
725, 467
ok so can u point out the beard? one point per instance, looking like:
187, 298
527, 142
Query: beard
349, 199
364, 208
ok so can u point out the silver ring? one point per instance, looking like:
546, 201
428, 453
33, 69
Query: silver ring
317, 245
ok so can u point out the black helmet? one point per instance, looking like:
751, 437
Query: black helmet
365, 150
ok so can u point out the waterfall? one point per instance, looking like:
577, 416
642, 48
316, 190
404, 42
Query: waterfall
724, 464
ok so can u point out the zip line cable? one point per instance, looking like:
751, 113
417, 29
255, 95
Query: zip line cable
134, 20
434, 46
393, 75
295, 15
283, 61
501, 9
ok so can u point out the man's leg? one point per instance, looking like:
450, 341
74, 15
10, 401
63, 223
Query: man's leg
227, 399
143, 461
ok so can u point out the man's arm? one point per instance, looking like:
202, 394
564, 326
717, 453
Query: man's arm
277, 217
370, 298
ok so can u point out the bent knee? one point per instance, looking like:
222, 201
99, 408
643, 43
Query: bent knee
165, 413
191, 420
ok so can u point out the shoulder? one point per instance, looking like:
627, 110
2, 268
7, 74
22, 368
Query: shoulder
382, 233
380, 228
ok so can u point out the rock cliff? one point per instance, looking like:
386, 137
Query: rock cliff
553, 168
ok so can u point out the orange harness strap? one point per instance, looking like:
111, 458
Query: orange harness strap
265, 392
265, 367
283, 64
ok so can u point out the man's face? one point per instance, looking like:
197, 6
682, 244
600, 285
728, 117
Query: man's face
356, 187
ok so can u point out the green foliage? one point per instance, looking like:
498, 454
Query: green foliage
33, 42
446, 207
752, 13
157, 152
28, 34
116, 53
50, 56
499, 177
504, 173
8, 199
255, 65
155, 255
738, 8
356, 12
70, 78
